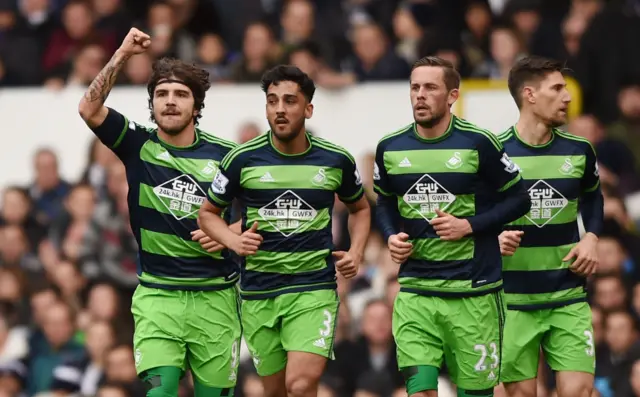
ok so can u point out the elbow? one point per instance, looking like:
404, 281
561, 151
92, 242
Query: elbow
524, 203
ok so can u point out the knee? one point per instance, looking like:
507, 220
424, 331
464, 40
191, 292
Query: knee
575, 389
528, 388
301, 386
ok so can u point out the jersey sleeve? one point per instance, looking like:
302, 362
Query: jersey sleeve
496, 168
591, 178
350, 189
125, 138
226, 182
380, 178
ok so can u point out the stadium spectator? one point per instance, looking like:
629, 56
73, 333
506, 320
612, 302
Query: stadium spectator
67, 254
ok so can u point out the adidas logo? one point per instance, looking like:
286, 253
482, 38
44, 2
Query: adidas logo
164, 156
267, 177
320, 343
491, 376
404, 163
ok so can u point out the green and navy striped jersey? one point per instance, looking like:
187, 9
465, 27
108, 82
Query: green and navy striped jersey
291, 197
465, 173
556, 175
167, 186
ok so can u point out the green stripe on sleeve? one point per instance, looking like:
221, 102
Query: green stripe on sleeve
122, 133
512, 182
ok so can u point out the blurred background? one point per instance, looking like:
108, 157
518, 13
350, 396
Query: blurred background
67, 255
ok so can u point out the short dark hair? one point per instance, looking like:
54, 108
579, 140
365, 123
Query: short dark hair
195, 78
291, 73
529, 70
451, 75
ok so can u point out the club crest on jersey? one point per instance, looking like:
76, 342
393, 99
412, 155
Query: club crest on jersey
455, 161
546, 203
288, 213
320, 178
426, 196
220, 182
210, 168
567, 167
182, 196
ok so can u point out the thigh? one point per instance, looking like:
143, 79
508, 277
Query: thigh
213, 337
569, 345
309, 321
473, 340
158, 340
417, 331
523, 334
261, 324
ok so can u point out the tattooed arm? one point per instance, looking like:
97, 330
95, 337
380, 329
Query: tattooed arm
91, 108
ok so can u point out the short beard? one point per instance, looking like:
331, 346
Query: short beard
431, 122
286, 138
174, 131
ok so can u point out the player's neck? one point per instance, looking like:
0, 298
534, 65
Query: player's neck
436, 130
185, 138
532, 130
298, 145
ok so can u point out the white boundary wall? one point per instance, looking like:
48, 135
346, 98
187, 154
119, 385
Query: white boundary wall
355, 118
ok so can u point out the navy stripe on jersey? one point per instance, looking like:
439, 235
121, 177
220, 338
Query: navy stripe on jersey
557, 175
291, 197
167, 186
465, 173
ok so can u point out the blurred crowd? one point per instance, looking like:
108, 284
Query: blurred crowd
67, 254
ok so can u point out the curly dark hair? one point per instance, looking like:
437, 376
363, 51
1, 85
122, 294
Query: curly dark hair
195, 78
291, 73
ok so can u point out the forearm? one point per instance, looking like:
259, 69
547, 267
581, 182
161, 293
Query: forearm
236, 227
515, 203
92, 102
387, 215
216, 228
592, 211
359, 228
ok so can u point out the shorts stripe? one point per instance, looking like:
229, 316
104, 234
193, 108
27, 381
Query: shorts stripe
501, 321
335, 325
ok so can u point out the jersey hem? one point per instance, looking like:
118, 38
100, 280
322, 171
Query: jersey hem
173, 287
541, 306
450, 294
272, 294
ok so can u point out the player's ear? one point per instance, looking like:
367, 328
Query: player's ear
528, 95
308, 111
453, 96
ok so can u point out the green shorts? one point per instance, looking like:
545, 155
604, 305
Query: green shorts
297, 321
199, 330
464, 332
564, 333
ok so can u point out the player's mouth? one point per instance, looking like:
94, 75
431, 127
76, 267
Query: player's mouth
282, 121
421, 107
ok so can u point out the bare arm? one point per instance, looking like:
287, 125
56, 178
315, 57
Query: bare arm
359, 226
211, 223
91, 107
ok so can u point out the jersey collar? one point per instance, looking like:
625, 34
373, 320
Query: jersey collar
270, 135
522, 141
